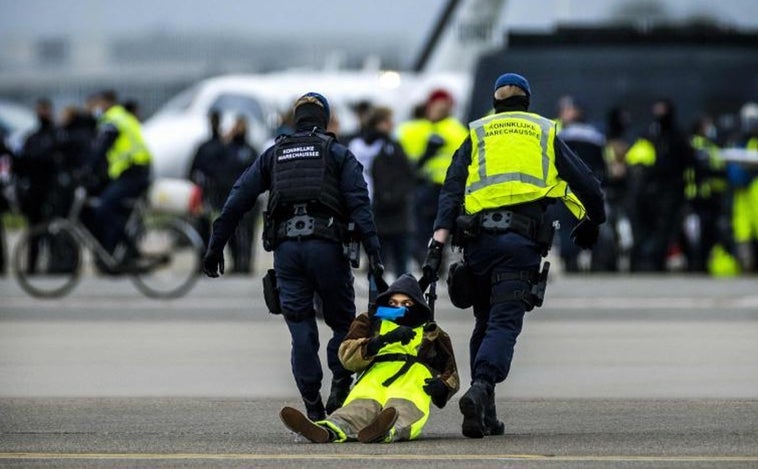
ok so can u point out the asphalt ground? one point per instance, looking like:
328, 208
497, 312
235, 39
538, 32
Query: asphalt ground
615, 371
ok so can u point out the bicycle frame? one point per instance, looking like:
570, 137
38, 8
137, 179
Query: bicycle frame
85, 237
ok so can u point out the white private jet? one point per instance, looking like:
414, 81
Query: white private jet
464, 30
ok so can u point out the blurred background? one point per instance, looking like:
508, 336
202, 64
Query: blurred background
600, 67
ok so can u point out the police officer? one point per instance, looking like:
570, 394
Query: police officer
504, 175
316, 188
120, 146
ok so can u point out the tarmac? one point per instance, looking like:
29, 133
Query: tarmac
614, 371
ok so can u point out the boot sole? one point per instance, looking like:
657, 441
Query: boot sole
473, 425
299, 423
379, 427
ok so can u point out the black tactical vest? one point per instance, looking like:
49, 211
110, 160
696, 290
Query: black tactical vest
304, 173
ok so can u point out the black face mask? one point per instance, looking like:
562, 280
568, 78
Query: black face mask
514, 103
309, 115
665, 121
44, 121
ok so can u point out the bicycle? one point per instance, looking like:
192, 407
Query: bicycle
160, 253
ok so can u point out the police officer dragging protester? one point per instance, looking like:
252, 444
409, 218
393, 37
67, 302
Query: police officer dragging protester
406, 363
504, 176
317, 192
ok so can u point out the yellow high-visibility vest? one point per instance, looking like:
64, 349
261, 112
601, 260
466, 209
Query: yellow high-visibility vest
513, 162
641, 153
414, 135
129, 149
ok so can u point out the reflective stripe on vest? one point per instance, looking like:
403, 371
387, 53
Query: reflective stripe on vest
513, 162
129, 149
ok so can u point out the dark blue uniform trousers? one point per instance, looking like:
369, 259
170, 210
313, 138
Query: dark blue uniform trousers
303, 268
111, 214
497, 324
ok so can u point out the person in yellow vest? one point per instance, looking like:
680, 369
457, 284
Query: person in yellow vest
430, 143
406, 363
119, 147
706, 191
744, 180
504, 176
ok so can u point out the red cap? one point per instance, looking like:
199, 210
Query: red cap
437, 94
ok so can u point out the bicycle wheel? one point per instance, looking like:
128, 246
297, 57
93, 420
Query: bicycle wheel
168, 260
47, 260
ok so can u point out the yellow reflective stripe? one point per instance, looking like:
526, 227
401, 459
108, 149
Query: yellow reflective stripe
480, 133
506, 177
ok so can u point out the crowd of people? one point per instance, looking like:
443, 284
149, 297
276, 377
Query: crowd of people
673, 203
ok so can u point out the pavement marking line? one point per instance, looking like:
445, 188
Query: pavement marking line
556, 303
371, 457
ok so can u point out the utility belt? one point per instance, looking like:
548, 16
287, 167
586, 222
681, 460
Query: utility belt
469, 227
407, 359
300, 226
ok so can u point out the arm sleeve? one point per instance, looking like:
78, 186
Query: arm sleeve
581, 181
244, 193
107, 134
352, 351
451, 196
355, 191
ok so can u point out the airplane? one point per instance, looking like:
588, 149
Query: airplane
463, 31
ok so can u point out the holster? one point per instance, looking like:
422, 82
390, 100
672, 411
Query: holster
467, 228
351, 246
460, 285
271, 293
545, 233
533, 296
268, 236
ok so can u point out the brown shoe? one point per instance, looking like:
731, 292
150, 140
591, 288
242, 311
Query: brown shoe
299, 423
377, 430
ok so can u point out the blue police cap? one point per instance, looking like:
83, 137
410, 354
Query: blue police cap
513, 79
320, 98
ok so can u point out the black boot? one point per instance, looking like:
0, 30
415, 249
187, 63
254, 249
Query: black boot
338, 394
314, 408
492, 426
472, 406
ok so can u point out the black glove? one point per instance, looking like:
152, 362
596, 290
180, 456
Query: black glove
437, 389
585, 234
433, 260
213, 263
377, 270
433, 145
402, 334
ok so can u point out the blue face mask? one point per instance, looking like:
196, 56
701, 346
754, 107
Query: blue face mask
390, 313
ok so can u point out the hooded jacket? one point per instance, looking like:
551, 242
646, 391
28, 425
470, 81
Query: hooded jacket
435, 352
